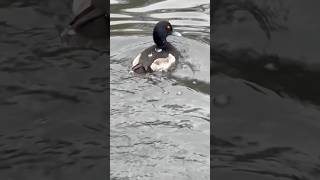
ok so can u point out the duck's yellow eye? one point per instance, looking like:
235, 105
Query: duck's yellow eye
168, 28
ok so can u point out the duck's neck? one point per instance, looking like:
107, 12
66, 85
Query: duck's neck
159, 40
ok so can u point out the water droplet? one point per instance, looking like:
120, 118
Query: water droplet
194, 82
179, 93
150, 55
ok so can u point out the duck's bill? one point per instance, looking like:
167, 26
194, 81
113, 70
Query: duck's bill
175, 33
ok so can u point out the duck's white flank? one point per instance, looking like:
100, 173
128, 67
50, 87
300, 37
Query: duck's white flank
163, 64
136, 60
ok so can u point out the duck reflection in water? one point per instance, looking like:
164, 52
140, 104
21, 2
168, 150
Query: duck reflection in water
90, 19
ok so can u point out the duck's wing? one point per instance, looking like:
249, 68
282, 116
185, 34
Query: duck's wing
138, 66
143, 62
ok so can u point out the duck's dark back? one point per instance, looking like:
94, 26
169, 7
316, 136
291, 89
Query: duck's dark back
146, 61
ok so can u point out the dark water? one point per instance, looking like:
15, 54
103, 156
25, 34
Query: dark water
266, 90
52, 94
160, 123
265, 78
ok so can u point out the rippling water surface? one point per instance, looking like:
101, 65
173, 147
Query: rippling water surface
266, 93
266, 90
160, 123
52, 95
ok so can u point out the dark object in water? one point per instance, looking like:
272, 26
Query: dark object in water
160, 57
90, 18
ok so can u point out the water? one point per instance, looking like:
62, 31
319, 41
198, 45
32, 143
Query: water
265, 78
160, 123
52, 101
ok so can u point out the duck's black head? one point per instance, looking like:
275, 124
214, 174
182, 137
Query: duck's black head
160, 33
